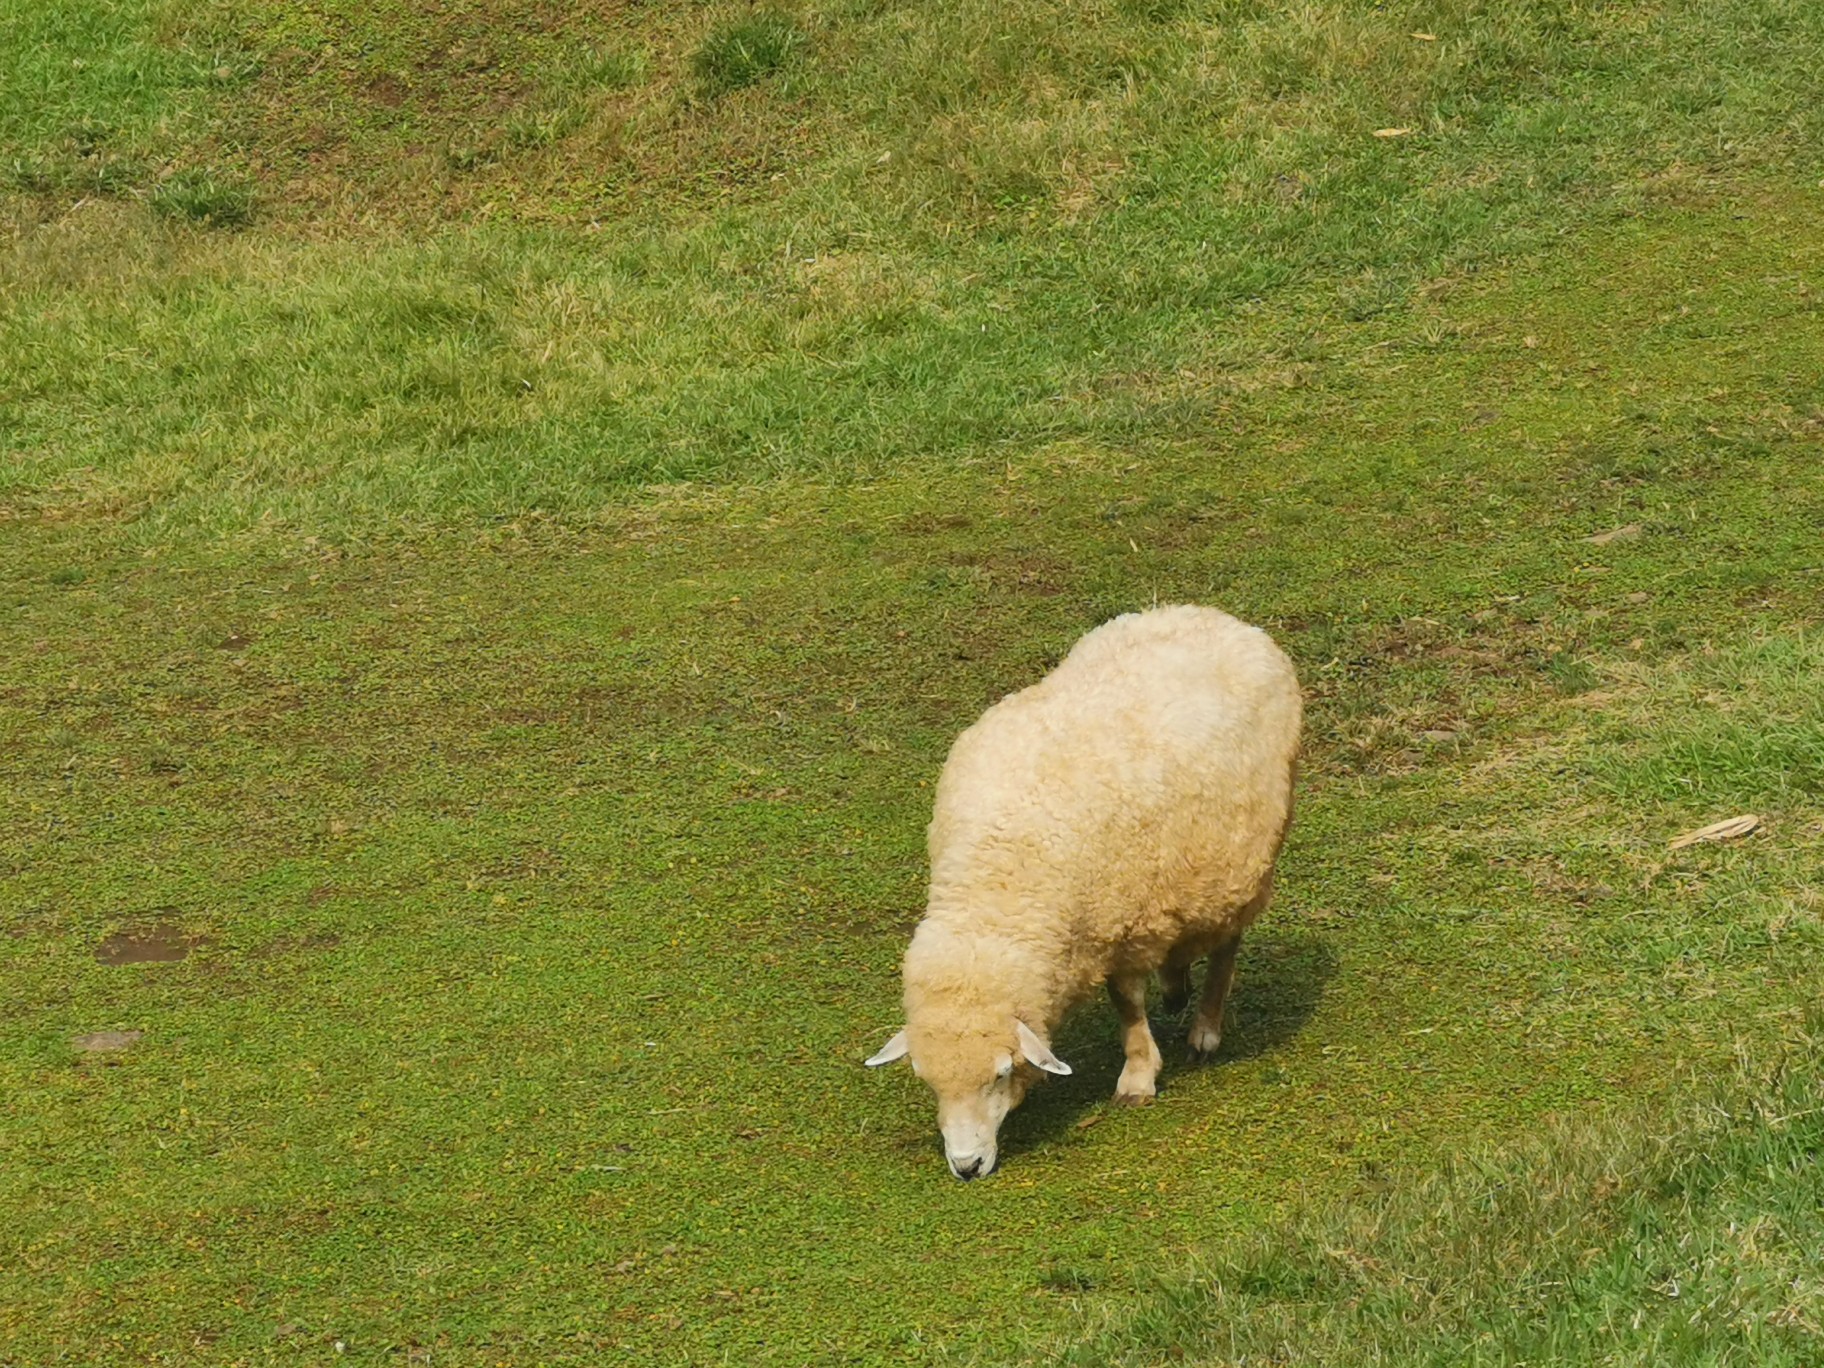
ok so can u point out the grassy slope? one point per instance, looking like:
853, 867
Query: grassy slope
1690, 1238
1072, 239
554, 875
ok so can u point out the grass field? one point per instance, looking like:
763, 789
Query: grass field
502, 511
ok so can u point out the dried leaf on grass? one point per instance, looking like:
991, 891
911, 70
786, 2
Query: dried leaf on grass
1615, 534
1717, 831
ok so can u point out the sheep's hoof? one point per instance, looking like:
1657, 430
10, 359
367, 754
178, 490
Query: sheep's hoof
1204, 1040
1132, 1099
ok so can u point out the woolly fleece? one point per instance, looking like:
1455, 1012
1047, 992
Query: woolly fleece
1130, 803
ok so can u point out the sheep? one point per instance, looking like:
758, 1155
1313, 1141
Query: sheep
1121, 816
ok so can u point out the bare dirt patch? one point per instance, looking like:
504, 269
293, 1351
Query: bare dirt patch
106, 1042
161, 942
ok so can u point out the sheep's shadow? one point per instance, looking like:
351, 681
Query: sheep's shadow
1280, 979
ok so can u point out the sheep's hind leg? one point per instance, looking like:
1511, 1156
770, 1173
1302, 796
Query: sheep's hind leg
1206, 1030
1138, 1081
1175, 976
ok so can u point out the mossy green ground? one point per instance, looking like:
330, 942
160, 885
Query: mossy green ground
551, 834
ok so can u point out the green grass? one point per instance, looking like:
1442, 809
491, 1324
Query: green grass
93, 97
1686, 1239
507, 599
924, 251
203, 198
745, 51
488, 378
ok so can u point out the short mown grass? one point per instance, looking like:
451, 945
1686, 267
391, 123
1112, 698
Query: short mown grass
502, 604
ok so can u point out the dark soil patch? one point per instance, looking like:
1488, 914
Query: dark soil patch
160, 942
387, 90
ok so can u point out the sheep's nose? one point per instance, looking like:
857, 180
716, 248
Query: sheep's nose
969, 1169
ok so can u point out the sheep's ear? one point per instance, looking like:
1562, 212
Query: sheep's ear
892, 1050
1037, 1051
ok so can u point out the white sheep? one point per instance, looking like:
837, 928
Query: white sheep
1120, 816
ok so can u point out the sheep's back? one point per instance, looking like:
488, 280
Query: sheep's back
1142, 785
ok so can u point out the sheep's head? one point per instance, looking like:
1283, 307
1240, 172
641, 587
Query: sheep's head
978, 1077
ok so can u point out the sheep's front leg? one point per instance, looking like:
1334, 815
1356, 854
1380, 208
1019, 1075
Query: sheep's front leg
1138, 1080
1206, 1030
